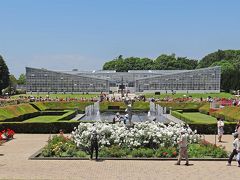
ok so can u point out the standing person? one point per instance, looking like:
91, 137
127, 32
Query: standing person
94, 143
125, 119
234, 152
183, 148
220, 125
116, 118
238, 149
237, 128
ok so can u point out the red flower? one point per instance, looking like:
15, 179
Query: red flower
165, 153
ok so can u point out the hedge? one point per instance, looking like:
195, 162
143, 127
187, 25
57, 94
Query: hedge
68, 127
137, 105
41, 127
212, 128
205, 128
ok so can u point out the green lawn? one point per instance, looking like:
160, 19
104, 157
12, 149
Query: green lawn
63, 96
200, 118
195, 117
51, 118
194, 95
43, 119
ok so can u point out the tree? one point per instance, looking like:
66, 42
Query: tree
11, 89
4, 75
22, 79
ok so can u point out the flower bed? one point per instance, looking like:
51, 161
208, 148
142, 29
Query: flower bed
6, 135
145, 140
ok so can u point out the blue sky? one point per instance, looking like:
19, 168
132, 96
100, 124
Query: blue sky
83, 34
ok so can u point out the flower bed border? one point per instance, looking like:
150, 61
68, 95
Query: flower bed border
35, 156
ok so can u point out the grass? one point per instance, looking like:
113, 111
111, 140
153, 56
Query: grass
60, 96
228, 113
51, 118
44, 119
62, 105
15, 111
200, 118
194, 95
195, 117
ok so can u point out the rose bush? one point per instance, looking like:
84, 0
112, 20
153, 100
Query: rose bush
144, 134
6, 134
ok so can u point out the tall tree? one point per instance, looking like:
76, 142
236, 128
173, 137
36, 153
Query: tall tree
22, 79
4, 75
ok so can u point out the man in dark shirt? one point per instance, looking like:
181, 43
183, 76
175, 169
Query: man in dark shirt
94, 144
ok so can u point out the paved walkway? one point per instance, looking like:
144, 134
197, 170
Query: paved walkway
78, 116
14, 164
172, 118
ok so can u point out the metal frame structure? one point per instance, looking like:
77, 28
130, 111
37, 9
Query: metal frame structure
198, 80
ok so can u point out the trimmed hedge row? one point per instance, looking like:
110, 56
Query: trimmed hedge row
212, 128
40, 127
69, 115
68, 127
138, 105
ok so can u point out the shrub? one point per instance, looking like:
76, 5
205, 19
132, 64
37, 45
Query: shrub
206, 149
61, 146
143, 152
212, 128
166, 152
113, 151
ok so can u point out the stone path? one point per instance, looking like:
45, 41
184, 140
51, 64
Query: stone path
14, 164
78, 116
172, 118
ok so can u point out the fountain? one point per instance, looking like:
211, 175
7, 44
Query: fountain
92, 112
156, 112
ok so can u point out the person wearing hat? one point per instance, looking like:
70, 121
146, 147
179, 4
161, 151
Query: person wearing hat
183, 148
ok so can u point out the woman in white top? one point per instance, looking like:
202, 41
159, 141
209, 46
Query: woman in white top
220, 125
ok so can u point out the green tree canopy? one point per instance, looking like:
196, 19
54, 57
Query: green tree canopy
22, 79
4, 75
163, 62
229, 60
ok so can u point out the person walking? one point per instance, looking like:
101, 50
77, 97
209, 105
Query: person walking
237, 128
220, 126
94, 143
183, 148
234, 152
